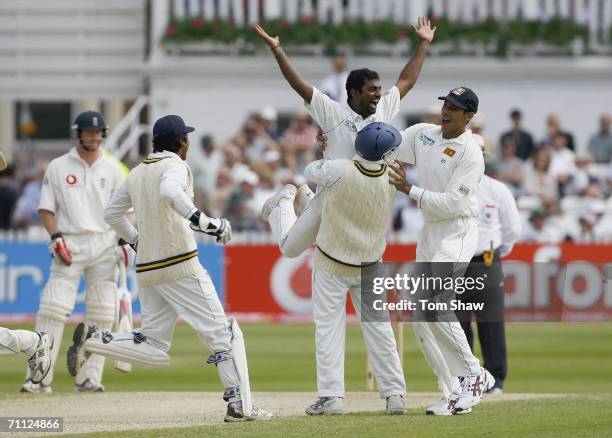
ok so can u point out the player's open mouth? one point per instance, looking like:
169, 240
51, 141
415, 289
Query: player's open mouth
374, 103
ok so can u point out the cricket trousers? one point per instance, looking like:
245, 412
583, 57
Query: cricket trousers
447, 246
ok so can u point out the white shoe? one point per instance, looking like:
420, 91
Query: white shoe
326, 406
446, 407
40, 362
472, 389
234, 413
89, 386
35, 388
302, 199
396, 405
287, 192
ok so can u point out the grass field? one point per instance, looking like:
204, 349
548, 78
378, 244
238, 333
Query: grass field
546, 358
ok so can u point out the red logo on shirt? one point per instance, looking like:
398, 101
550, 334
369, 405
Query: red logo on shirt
71, 180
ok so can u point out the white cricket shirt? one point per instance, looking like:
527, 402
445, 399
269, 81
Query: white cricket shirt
341, 124
77, 193
448, 171
499, 223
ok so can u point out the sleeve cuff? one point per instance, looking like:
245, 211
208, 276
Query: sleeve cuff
416, 193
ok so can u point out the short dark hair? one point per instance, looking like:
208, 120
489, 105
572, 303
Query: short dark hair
170, 144
357, 78
515, 113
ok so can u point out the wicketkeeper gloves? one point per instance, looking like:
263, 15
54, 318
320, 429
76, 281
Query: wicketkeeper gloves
218, 227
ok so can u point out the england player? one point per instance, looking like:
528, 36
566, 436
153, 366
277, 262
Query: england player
35, 346
449, 166
351, 236
172, 282
75, 190
340, 122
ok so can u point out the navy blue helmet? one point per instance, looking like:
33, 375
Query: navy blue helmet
375, 140
90, 120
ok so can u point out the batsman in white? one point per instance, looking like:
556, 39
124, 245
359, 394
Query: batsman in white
172, 282
340, 122
75, 190
449, 166
351, 237
35, 346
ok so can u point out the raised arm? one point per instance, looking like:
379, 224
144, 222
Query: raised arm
287, 69
412, 69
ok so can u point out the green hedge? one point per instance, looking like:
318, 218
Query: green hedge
557, 31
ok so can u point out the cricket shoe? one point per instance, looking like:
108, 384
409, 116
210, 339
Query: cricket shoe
40, 362
89, 386
446, 407
234, 413
35, 388
327, 406
287, 192
76, 355
302, 199
472, 389
396, 405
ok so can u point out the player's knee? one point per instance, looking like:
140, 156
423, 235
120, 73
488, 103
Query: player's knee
57, 300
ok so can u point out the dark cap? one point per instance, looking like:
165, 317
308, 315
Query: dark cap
515, 113
462, 97
171, 126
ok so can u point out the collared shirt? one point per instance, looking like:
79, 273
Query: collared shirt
77, 193
499, 222
341, 124
448, 171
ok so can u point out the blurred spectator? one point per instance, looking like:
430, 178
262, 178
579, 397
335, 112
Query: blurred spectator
539, 230
334, 85
26, 209
584, 181
240, 209
267, 118
281, 174
205, 163
537, 178
254, 140
510, 167
600, 145
522, 139
562, 161
477, 127
8, 198
553, 128
216, 202
234, 160
300, 141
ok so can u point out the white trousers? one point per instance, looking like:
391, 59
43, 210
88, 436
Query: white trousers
193, 299
294, 235
94, 256
18, 341
329, 312
444, 343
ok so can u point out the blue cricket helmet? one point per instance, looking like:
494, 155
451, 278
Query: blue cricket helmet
375, 140
89, 120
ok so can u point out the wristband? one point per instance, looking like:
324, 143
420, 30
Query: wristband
56, 236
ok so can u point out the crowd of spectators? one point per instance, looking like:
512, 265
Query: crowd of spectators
563, 190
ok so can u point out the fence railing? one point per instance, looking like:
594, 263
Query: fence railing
595, 14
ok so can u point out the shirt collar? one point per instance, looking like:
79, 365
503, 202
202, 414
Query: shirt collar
462, 139
163, 154
368, 164
355, 116
75, 154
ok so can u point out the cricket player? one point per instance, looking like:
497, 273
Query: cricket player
351, 236
33, 345
75, 190
172, 282
449, 167
340, 121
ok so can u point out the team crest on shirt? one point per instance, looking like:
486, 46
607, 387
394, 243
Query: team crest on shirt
349, 124
427, 140
450, 152
464, 189
71, 180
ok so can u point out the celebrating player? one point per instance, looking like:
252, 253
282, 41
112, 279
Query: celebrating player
351, 236
449, 166
340, 122
33, 345
75, 191
171, 280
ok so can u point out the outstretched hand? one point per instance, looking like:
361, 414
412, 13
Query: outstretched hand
270, 41
424, 30
397, 177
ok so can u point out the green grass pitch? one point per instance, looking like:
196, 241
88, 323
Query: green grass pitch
550, 357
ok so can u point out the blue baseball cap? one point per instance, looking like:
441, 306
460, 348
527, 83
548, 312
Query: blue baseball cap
171, 126
462, 97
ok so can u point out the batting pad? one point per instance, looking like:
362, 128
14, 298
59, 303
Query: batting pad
240, 361
122, 347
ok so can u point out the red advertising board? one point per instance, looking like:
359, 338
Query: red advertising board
543, 282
